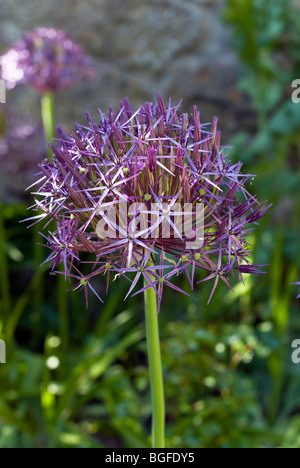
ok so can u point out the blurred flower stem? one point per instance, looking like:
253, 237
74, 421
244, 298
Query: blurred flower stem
155, 369
4, 277
47, 109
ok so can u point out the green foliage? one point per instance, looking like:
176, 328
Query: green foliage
48, 401
228, 374
266, 37
259, 28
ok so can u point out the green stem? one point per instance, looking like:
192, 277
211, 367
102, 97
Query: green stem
47, 110
155, 370
4, 277
47, 105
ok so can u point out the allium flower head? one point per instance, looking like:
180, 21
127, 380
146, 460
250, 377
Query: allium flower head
149, 193
46, 59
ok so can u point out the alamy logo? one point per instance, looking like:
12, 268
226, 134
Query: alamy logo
296, 93
2, 352
163, 220
2, 92
296, 353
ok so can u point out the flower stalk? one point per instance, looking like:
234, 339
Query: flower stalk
47, 111
155, 369
47, 108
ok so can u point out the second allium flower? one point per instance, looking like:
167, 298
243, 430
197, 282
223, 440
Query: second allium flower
163, 165
47, 60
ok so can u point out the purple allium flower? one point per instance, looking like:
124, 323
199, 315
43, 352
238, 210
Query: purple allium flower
22, 148
120, 191
46, 59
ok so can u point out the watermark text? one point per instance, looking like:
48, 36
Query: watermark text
296, 93
153, 221
2, 352
296, 352
2, 92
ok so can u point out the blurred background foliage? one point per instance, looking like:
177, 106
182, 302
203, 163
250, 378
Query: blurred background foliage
82, 380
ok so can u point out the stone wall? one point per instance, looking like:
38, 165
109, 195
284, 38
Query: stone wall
177, 47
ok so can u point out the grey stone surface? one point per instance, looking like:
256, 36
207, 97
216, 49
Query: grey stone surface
177, 47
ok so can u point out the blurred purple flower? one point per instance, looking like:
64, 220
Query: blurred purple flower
22, 148
160, 161
46, 59
297, 284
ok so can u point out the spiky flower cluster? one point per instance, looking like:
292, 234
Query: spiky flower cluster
46, 59
162, 162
